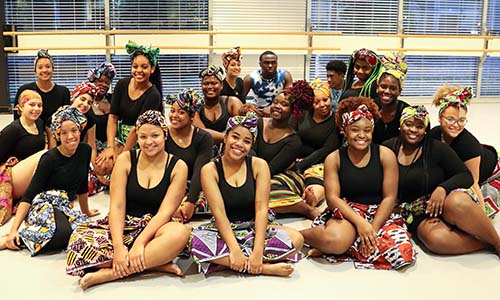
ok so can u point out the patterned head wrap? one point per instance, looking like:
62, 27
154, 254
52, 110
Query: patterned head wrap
395, 65
248, 121
152, 117
151, 53
367, 55
318, 85
66, 113
459, 98
189, 99
43, 53
84, 87
417, 112
213, 70
231, 54
359, 113
106, 68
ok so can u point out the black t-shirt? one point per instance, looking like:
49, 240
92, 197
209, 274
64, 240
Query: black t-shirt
58, 172
438, 165
220, 124
101, 123
350, 92
468, 147
196, 155
384, 131
279, 155
238, 90
318, 140
354, 185
129, 110
141, 201
16, 141
52, 100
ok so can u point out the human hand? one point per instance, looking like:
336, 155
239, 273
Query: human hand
237, 260
106, 154
367, 237
102, 179
13, 241
92, 213
136, 258
121, 262
254, 263
435, 204
187, 211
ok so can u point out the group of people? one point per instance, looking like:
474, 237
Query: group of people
385, 175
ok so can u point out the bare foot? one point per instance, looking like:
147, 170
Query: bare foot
314, 253
277, 269
3, 242
170, 268
101, 276
309, 196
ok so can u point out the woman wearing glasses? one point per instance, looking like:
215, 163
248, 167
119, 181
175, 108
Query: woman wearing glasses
481, 160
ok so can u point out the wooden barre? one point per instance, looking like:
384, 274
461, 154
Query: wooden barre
440, 36
438, 50
140, 32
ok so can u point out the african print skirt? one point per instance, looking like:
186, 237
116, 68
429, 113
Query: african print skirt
206, 244
287, 187
491, 192
40, 221
122, 133
395, 249
90, 244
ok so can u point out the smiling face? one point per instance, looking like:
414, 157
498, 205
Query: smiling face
238, 141
388, 89
44, 69
234, 68
151, 139
30, 106
281, 108
83, 103
179, 118
452, 121
103, 83
322, 104
362, 69
70, 136
141, 68
413, 131
211, 87
359, 134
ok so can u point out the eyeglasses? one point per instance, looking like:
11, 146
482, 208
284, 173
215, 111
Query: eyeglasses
452, 120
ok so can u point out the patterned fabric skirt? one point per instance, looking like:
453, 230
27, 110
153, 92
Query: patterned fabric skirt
491, 192
287, 187
206, 244
40, 221
90, 244
122, 133
395, 249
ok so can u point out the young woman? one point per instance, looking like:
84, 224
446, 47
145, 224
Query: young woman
61, 176
359, 221
433, 191
53, 95
218, 109
237, 189
389, 87
148, 185
365, 65
232, 85
191, 144
132, 96
481, 160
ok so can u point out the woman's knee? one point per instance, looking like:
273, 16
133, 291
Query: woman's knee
457, 204
433, 234
174, 230
296, 237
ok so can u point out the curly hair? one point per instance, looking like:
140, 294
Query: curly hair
301, 97
442, 92
350, 104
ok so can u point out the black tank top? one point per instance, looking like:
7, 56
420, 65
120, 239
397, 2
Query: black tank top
141, 201
239, 202
361, 185
219, 124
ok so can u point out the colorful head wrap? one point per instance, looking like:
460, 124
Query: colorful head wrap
367, 55
152, 117
151, 53
318, 85
212, 70
106, 68
231, 54
84, 87
395, 65
66, 113
43, 53
359, 113
459, 98
248, 121
417, 112
189, 99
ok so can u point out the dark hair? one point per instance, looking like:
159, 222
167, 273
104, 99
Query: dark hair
337, 66
370, 82
155, 77
268, 52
